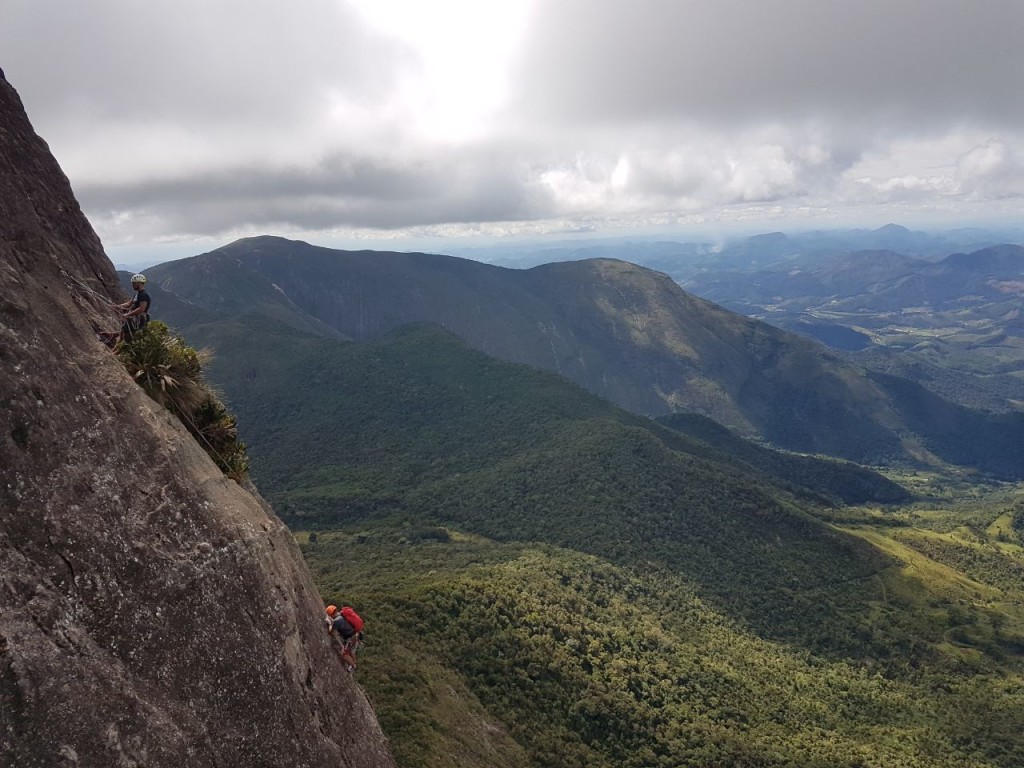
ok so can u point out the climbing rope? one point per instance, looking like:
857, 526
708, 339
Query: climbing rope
199, 434
74, 282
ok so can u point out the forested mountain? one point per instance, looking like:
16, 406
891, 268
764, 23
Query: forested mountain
947, 303
416, 422
550, 580
626, 333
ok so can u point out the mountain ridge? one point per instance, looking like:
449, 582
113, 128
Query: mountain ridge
626, 333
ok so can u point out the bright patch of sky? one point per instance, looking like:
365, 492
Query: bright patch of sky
464, 50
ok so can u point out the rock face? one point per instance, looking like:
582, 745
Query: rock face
152, 612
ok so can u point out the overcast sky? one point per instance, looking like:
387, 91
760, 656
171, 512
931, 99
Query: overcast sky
198, 121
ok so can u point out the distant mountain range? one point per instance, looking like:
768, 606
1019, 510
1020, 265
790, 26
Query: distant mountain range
684, 258
954, 325
626, 333
875, 281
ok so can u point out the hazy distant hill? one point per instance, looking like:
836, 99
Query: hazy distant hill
807, 281
945, 322
683, 259
624, 332
979, 387
876, 280
959, 281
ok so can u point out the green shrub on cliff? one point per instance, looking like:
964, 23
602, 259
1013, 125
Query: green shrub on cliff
171, 372
216, 429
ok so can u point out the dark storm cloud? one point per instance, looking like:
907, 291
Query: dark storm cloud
344, 190
901, 62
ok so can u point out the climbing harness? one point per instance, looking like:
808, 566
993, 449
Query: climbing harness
134, 324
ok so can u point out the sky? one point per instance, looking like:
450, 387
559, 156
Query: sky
185, 125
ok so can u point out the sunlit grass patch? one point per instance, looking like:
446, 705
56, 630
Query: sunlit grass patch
938, 579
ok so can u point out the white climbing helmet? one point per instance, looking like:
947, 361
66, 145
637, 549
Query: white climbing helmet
139, 279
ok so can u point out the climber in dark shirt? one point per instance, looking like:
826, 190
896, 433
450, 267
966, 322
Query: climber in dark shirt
135, 313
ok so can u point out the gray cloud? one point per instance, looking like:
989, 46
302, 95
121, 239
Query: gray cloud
344, 190
729, 61
228, 61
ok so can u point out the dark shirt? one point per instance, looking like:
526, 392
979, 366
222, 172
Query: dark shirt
141, 297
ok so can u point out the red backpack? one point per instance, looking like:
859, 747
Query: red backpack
349, 614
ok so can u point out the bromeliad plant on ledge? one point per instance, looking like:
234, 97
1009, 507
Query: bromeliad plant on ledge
171, 372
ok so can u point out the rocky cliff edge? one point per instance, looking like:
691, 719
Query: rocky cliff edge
152, 612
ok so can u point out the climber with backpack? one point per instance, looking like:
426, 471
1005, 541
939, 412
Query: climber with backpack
348, 626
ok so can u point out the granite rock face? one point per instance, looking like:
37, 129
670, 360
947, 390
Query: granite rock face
152, 612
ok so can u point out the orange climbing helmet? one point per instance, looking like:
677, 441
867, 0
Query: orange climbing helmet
331, 610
